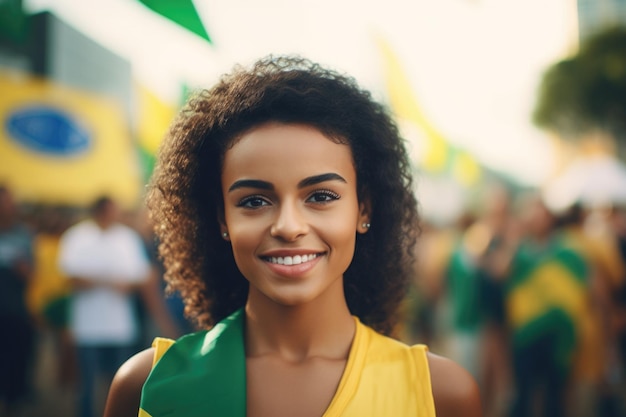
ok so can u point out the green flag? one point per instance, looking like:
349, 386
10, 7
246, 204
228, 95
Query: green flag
182, 12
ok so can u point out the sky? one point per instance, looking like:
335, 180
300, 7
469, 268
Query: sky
474, 65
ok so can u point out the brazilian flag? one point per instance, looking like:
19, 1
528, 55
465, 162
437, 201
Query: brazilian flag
547, 294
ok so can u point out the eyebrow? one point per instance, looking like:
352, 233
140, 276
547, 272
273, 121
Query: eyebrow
316, 179
307, 182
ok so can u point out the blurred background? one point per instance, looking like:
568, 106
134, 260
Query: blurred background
514, 113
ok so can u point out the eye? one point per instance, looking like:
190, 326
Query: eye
252, 202
323, 196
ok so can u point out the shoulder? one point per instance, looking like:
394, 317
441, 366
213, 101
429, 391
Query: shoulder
125, 391
82, 228
126, 234
75, 236
455, 391
122, 230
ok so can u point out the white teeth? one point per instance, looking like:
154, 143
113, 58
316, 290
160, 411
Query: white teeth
292, 260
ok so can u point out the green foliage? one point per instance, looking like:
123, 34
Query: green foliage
587, 91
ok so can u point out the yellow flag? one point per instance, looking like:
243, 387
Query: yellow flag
433, 153
407, 110
154, 118
465, 169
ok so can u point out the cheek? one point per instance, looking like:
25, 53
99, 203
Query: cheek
242, 229
341, 237
243, 240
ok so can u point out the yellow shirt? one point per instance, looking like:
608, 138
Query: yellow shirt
48, 283
383, 377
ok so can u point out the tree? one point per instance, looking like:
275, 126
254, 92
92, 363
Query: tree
587, 92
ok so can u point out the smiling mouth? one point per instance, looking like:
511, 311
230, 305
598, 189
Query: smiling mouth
290, 260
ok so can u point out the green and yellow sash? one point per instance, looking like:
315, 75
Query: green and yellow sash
197, 376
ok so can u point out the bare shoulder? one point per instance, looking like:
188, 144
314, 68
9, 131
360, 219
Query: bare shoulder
455, 391
125, 391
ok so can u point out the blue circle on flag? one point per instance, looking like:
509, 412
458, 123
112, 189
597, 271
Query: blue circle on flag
47, 130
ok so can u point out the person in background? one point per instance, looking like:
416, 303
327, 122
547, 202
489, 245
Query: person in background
618, 319
546, 300
49, 291
105, 263
16, 324
461, 297
500, 235
596, 231
423, 305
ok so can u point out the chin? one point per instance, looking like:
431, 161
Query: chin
292, 301
293, 298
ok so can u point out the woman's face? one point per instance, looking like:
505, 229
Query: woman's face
291, 212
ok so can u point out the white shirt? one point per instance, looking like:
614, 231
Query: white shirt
102, 315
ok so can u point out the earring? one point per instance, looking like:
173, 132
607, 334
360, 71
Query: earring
366, 225
225, 235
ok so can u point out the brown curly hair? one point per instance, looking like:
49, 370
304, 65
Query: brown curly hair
185, 196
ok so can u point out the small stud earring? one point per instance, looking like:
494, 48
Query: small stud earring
225, 235
366, 225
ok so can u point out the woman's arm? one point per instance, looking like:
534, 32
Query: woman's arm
455, 391
125, 391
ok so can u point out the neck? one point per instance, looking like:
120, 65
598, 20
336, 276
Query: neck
320, 328
103, 224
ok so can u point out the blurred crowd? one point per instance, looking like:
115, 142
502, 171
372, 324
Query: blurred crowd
81, 291
532, 302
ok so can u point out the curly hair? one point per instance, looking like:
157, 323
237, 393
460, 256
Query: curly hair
185, 197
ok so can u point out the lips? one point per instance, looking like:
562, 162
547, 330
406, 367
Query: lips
291, 266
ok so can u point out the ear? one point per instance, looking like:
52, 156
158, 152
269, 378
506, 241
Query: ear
365, 215
224, 232
223, 227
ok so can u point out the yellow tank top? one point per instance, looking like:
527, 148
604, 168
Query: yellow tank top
383, 377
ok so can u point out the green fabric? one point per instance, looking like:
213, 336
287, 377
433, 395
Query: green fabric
201, 375
56, 312
555, 326
147, 160
464, 291
181, 12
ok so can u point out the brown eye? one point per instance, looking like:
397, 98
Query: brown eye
323, 196
252, 202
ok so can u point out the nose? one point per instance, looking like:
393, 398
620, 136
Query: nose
290, 222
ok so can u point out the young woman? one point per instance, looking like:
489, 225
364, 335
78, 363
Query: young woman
283, 200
